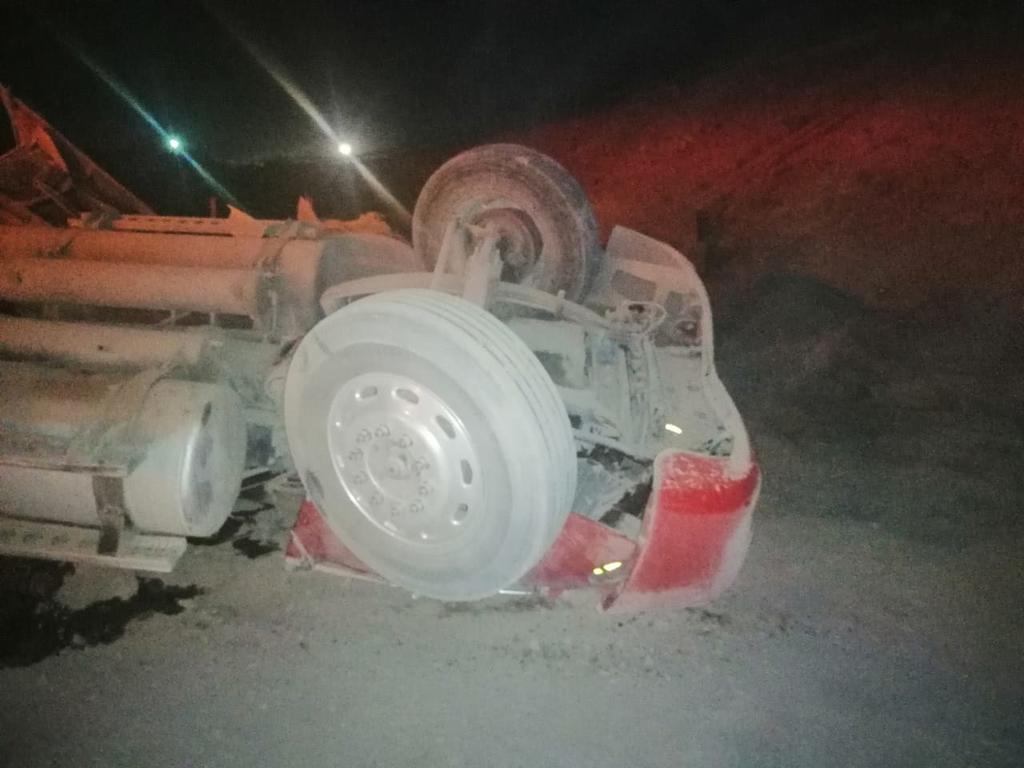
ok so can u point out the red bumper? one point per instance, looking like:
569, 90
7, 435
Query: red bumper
695, 534
692, 543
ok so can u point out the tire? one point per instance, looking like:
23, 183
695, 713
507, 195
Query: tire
549, 234
433, 442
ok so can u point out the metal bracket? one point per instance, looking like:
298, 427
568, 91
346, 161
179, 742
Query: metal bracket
110, 508
270, 283
451, 258
483, 268
470, 252
52, 541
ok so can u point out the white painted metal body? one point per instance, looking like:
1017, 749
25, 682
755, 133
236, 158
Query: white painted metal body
176, 447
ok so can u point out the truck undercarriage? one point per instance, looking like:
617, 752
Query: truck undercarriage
500, 405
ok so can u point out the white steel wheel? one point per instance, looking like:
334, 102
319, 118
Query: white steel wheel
432, 440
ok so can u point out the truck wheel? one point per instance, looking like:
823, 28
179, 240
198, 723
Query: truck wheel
548, 234
433, 442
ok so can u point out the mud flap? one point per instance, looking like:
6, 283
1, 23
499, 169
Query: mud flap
695, 534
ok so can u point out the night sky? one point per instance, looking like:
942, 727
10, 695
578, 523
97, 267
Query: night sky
391, 76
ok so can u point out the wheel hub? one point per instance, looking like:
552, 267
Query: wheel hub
519, 241
404, 458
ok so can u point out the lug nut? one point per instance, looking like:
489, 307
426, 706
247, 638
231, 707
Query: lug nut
382, 431
425, 489
360, 477
363, 436
415, 507
355, 455
375, 500
421, 465
405, 442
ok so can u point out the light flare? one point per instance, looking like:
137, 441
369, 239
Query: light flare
129, 98
292, 89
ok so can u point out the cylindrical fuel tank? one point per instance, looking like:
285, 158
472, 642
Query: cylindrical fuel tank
189, 440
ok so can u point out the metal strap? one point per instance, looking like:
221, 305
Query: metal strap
110, 508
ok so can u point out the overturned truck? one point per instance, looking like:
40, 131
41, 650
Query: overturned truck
500, 405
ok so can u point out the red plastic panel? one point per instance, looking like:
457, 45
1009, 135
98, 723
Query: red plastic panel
582, 546
312, 542
695, 534
694, 539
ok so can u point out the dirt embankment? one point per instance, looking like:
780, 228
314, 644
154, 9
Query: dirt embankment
889, 166
858, 211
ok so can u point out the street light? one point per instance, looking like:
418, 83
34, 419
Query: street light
345, 148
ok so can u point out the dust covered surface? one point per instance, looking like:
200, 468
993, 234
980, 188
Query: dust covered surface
861, 231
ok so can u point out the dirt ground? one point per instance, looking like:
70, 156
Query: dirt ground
860, 227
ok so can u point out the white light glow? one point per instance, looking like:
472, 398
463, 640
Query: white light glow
601, 570
673, 429
345, 148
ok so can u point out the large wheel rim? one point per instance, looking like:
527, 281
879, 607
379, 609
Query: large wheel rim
423, 365
404, 458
